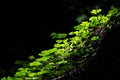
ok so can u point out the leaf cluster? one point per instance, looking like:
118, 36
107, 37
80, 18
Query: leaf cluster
68, 52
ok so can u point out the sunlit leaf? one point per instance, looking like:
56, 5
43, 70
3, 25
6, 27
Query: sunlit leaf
31, 74
59, 41
96, 11
95, 38
31, 57
35, 63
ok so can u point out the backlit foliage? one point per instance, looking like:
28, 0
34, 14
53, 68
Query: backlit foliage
70, 51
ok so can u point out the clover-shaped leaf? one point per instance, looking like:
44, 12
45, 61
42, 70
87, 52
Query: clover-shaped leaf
31, 74
60, 35
95, 38
96, 11
31, 57
35, 63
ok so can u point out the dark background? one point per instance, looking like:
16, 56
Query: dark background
26, 26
